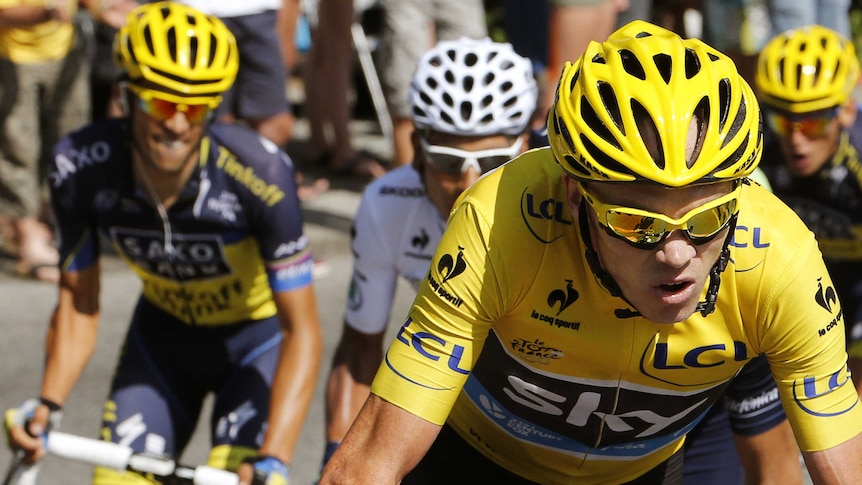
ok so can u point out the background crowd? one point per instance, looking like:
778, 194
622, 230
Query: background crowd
58, 74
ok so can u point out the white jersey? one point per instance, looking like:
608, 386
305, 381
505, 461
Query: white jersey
395, 233
233, 8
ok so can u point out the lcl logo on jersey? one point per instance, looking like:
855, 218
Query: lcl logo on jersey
809, 391
744, 237
431, 348
544, 210
559, 299
673, 360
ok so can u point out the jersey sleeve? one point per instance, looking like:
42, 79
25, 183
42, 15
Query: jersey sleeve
278, 220
803, 339
372, 284
752, 401
433, 353
75, 228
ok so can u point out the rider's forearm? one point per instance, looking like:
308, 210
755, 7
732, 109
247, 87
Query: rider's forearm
294, 381
346, 392
70, 340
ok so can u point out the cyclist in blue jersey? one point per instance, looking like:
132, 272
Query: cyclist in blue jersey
206, 214
805, 80
463, 130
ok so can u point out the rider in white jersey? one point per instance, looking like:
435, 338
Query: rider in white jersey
460, 133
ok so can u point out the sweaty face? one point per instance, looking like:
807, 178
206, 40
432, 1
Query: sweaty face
166, 143
663, 283
451, 163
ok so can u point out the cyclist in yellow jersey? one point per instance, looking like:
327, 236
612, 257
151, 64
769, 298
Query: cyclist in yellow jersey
805, 82
589, 301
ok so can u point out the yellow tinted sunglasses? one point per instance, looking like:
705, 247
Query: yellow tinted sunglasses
163, 106
645, 230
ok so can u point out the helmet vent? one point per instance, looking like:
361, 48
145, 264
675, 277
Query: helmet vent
724, 103
596, 124
602, 158
193, 51
737, 123
572, 83
692, 64
471, 59
632, 65
563, 130
649, 133
448, 100
701, 114
172, 43
466, 110
487, 100
213, 44
664, 65
467, 83
609, 99
148, 38
572, 163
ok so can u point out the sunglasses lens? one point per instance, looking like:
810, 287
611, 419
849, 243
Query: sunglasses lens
641, 230
451, 164
490, 163
162, 109
705, 225
811, 127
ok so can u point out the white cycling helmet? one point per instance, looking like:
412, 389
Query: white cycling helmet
473, 88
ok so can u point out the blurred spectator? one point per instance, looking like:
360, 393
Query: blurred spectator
410, 28
258, 96
108, 16
792, 14
573, 24
327, 74
44, 94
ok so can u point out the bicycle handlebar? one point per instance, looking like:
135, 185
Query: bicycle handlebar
119, 457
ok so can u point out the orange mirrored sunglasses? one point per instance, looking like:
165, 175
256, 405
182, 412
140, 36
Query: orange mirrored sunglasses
812, 125
163, 109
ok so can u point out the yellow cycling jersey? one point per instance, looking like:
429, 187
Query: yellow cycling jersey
514, 342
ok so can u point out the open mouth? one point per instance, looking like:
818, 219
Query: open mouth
674, 287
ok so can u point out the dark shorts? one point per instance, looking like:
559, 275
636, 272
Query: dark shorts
259, 90
452, 461
168, 368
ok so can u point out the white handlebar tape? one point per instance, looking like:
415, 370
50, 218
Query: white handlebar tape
86, 450
206, 475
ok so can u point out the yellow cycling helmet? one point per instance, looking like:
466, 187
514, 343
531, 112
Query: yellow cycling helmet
178, 48
647, 83
807, 69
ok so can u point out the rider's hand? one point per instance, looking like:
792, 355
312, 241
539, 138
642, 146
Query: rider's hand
27, 425
264, 470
